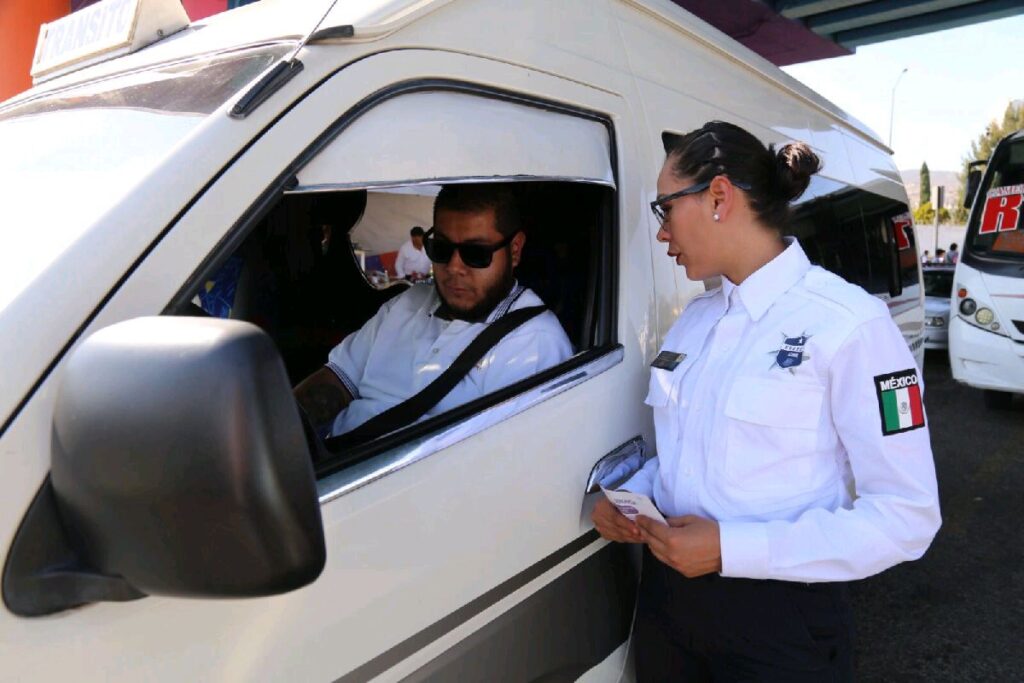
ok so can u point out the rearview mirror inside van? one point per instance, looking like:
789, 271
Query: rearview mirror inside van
179, 466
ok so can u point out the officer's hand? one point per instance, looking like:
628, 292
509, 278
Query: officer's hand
689, 544
612, 524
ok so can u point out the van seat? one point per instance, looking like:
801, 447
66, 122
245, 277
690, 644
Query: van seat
305, 297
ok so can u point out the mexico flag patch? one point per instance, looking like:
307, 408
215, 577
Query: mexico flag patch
899, 402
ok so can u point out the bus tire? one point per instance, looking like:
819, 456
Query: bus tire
997, 400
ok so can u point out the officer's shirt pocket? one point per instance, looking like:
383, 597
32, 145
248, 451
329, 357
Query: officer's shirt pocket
773, 444
660, 388
666, 422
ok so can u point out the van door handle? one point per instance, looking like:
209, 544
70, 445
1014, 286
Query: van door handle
615, 468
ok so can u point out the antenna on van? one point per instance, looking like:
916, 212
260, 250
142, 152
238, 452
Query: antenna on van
283, 71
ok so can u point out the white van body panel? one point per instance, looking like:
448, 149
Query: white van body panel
370, 596
392, 572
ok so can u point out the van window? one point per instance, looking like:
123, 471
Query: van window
906, 244
865, 238
320, 264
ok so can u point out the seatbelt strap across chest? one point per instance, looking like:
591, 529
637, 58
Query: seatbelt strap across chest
414, 407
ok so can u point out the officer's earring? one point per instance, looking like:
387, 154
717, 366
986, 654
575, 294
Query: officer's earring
716, 217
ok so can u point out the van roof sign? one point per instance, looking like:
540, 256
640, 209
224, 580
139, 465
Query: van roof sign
102, 31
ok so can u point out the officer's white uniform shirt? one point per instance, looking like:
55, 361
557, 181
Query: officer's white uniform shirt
774, 454
411, 260
405, 346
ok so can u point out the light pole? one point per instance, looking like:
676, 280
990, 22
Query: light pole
892, 104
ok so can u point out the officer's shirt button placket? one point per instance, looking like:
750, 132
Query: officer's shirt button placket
690, 445
719, 376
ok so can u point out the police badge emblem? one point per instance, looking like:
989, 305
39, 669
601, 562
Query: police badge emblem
791, 353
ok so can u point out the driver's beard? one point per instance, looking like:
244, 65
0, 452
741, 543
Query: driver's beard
492, 298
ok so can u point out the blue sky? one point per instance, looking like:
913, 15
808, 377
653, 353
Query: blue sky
956, 82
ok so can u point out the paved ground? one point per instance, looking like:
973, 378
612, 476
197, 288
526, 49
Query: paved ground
958, 613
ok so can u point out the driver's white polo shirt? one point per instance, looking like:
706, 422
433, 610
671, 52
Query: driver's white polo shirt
405, 346
794, 419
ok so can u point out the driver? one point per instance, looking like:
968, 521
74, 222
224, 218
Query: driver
475, 244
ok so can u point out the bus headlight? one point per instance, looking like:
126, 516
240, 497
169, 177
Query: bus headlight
982, 317
936, 321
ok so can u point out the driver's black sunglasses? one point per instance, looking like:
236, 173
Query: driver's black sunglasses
440, 250
658, 205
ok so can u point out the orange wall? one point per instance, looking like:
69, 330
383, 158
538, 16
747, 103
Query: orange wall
19, 28
200, 9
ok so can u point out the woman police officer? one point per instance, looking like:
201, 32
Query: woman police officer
793, 454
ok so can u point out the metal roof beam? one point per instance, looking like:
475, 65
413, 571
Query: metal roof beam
874, 13
798, 9
986, 10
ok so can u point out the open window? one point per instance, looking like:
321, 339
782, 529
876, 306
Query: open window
317, 264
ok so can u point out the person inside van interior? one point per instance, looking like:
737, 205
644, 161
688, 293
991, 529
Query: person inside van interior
792, 450
404, 350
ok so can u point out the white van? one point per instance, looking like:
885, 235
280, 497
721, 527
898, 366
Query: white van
986, 333
154, 462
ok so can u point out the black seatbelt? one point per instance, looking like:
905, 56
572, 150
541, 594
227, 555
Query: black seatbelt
414, 407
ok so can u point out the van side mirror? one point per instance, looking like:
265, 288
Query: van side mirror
179, 466
973, 181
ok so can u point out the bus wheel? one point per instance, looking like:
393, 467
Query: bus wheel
997, 400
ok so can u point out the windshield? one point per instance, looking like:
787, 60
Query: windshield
996, 230
938, 283
70, 156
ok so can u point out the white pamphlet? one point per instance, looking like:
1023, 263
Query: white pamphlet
632, 504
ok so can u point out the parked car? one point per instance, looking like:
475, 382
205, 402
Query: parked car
938, 287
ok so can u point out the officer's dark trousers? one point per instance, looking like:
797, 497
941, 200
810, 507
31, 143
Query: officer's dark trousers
718, 629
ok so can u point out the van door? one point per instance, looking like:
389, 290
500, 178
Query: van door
459, 552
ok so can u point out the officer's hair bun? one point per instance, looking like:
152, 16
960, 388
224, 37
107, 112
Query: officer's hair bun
793, 164
772, 177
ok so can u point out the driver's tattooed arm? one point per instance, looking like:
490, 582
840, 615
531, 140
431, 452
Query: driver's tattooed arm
322, 396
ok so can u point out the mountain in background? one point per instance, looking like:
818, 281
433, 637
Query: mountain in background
912, 180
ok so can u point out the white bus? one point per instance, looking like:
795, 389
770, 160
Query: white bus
986, 333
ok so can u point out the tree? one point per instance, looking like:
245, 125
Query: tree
926, 185
925, 215
1013, 120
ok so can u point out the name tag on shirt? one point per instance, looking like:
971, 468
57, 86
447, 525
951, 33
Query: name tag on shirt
668, 360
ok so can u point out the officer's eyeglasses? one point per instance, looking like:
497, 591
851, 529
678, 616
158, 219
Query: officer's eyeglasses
659, 204
440, 250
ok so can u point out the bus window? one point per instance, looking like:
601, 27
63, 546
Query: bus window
996, 230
